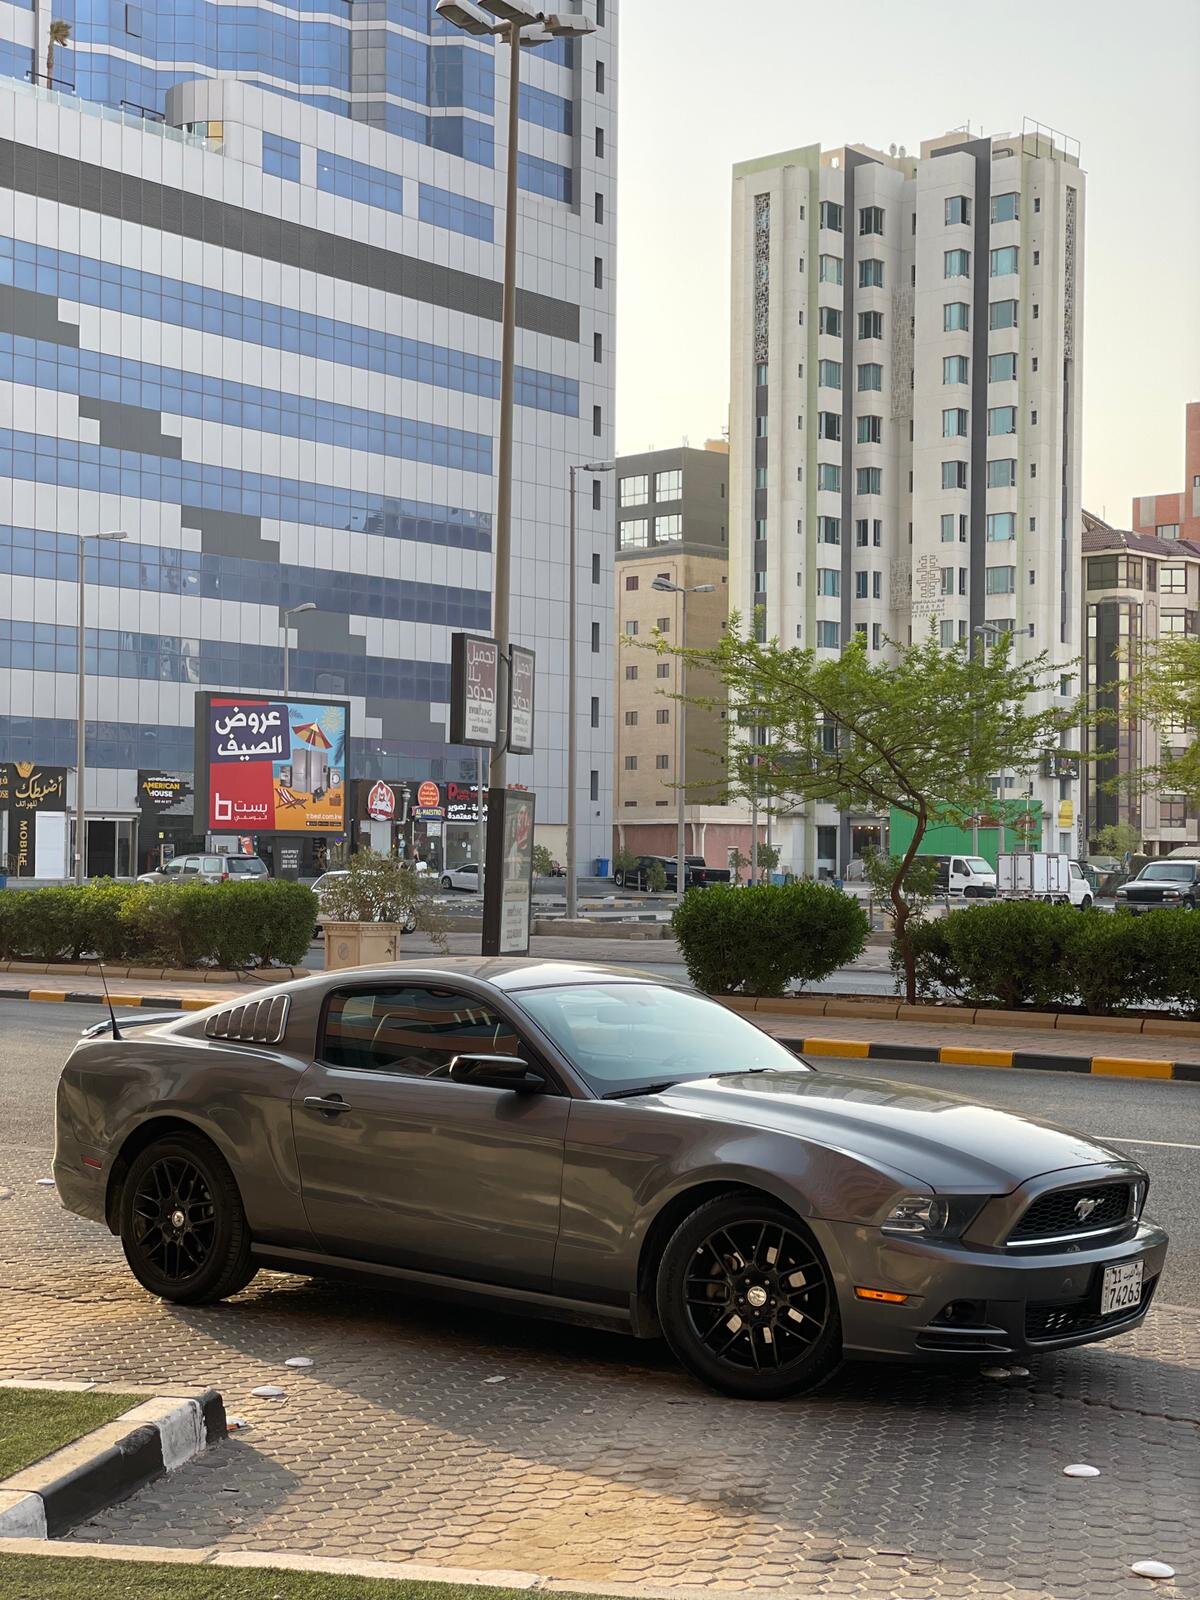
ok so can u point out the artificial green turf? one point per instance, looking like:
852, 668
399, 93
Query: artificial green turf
33, 1422
59, 1578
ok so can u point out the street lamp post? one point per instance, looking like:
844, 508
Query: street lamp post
572, 675
522, 24
288, 614
665, 586
80, 720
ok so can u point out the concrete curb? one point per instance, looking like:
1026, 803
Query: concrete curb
977, 1056
151, 1002
108, 1464
880, 1009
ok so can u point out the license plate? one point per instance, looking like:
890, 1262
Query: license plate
1121, 1287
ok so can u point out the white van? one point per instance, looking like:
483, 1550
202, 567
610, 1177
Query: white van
969, 876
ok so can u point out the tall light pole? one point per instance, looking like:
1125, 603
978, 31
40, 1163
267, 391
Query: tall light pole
522, 24
81, 714
665, 586
572, 675
288, 613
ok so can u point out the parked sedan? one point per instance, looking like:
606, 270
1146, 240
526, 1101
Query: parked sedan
208, 869
588, 1143
466, 877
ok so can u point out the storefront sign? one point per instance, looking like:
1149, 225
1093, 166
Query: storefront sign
474, 689
520, 703
271, 765
27, 791
462, 802
288, 857
508, 880
163, 792
381, 802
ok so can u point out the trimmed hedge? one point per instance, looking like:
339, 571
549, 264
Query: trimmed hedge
229, 925
762, 939
1016, 953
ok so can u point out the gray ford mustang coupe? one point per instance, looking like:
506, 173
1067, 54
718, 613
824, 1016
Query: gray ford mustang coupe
591, 1144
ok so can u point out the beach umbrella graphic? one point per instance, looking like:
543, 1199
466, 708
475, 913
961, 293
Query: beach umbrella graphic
313, 735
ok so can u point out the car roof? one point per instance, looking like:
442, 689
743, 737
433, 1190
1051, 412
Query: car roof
510, 973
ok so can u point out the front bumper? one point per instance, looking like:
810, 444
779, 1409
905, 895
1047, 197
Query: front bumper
1013, 1304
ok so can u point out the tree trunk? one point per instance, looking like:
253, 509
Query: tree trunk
50, 65
902, 912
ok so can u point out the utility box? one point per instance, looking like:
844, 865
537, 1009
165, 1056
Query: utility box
1034, 874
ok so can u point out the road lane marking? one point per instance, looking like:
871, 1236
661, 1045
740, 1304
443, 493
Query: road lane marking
1163, 1144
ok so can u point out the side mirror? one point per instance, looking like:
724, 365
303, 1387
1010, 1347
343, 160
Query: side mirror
498, 1072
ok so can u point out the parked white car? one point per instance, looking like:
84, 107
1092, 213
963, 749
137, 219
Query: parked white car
325, 881
464, 877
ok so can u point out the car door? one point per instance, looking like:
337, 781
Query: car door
412, 1169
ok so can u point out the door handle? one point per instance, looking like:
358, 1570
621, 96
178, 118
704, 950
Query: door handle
333, 1104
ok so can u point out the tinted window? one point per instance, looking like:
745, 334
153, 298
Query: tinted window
246, 867
413, 1031
213, 864
1167, 870
620, 1035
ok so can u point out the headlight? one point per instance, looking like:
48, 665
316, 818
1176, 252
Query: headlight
1140, 1189
931, 1216
1121, 893
1170, 894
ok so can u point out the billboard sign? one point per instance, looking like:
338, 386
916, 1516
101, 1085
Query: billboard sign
268, 765
162, 793
474, 690
508, 878
520, 701
28, 791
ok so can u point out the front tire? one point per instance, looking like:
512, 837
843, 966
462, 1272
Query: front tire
747, 1302
619, 880
446, 882
183, 1226
1086, 903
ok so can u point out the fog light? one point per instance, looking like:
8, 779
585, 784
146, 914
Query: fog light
887, 1296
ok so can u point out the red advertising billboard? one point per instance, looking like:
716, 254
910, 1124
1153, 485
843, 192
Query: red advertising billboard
269, 765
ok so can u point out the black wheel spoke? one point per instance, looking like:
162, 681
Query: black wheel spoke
174, 1218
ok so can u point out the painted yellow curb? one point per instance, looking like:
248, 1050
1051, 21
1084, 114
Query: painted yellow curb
46, 994
1129, 1067
951, 1055
837, 1047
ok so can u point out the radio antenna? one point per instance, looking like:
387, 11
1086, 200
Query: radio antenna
116, 1032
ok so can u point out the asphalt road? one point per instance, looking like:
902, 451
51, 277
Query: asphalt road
1158, 1123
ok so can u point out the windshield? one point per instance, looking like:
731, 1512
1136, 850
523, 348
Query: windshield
1167, 869
978, 864
628, 1035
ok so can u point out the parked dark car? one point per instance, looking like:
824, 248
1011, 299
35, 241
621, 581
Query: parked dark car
697, 873
588, 1143
1160, 884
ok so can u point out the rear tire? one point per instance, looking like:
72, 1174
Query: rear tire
619, 879
183, 1225
747, 1302
1086, 903
446, 883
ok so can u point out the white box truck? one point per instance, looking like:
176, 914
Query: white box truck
1043, 875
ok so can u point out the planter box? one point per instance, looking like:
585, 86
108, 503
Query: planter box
360, 944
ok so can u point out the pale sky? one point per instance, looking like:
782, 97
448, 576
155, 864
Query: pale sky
706, 83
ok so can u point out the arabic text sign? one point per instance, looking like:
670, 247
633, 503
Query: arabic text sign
474, 689
508, 881
273, 766
520, 709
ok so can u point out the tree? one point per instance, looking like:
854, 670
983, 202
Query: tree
543, 862
923, 732
656, 877
60, 33
1166, 691
1118, 839
379, 888
768, 856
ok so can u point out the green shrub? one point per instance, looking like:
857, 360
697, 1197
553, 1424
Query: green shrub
44, 923
1011, 951
760, 940
1173, 937
656, 877
1114, 962
101, 930
937, 975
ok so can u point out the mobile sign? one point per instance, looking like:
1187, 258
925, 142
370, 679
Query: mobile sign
508, 880
271, 765
474, 690
520, 701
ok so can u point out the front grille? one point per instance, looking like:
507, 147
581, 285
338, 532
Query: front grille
1045, 1321
1055, 1214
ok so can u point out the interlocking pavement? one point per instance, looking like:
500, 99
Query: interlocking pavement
596, 1460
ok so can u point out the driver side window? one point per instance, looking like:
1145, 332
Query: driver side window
412, 1031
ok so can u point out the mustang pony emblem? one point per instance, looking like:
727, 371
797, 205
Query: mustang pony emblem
1085, 1207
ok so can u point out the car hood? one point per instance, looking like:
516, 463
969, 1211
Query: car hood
945, 1142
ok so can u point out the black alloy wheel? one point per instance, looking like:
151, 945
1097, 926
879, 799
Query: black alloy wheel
183, 1226
747, 1301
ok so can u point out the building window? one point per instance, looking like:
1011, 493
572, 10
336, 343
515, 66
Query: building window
829, 374
631, 628
947, 577
281, 157
831, 215
956, 369
668, 485
662, 717
631, 585
954, 474
1002, 314
956, 317
597, 347
829, 269
631, 719
829, 635
1002, 474
1002, 419
595, 494
870, 430
597, 422
1172, 812
635, 533
870, 324
829, 321
946, 634
876, 636
1002, 368
595, 638
595, 566
860, 588
870, 219
954, 423
870, 273
1003, 261
1001, 525
958, 209
862, 533
877, 532
599, 209
663, 669
829, 425
599, 77
760, 528
829, 477
1033, 419
595, 711
1000, 580
662, 763
956, 264
669, 529
631, 674
598, 272
829, 530
599, 144
760, 477
593, 784
947, 527
868, 480
1007, 207
635, 491
870, 376
1167, 530
1172, 580
630, 763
